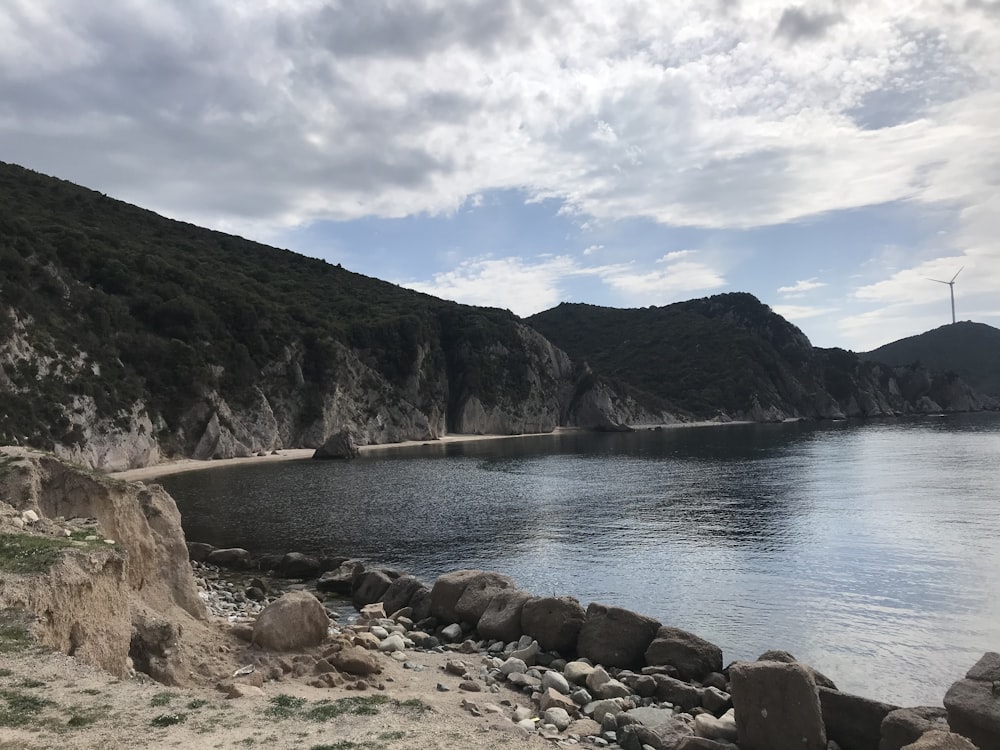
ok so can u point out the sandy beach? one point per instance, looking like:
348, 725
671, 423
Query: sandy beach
298, 454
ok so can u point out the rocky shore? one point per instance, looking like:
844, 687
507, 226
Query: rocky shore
598, 675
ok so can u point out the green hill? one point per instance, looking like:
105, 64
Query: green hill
971, 350
730, 353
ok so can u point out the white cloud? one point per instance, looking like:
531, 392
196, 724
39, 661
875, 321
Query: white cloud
591, 249
799, 288
676, 279
802, 312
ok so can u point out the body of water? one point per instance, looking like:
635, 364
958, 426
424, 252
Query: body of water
870, 550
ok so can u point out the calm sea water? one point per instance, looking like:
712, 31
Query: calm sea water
870, 550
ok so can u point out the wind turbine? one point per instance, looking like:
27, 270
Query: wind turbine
951, 286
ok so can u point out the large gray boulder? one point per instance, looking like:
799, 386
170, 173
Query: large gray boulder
819, 678
478, 594
448, 589
615, 637
663, 735
230, 557
339, 445
295, 621
298, 565
973, 704
553, 621
341, 580
400, 593
938, 740
853, 722
502, 619
777, 706
369, 587
905, 726
691, 656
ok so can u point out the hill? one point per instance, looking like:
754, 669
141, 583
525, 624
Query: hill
971, 350
731, 354
125, 336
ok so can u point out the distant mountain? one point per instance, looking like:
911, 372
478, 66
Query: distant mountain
971, 350
125, 336
730, 354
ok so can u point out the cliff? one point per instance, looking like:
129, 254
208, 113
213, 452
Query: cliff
730, 356
98, 567
126, 337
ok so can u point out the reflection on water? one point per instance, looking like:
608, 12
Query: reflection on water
866, 549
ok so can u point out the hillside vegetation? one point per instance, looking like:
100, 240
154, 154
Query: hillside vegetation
971, 350
111, 312
731, 354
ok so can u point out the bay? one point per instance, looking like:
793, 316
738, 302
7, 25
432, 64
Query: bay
868, 549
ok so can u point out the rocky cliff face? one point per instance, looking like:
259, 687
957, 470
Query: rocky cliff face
114, 605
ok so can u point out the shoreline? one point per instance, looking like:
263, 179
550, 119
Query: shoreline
179, 466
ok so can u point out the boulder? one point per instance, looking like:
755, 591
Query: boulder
577, 672
784, 657
356, 661
369, 587
341, 579
600, 684
553, 621
448, 589
678, 692
938, 740
973, 704
231, 557
199, 551
777, 706
551, 698
295, 621
297, 565
583, 728
853, 722
338, 445
722, 729
557, 717
663, 737
476, 598
400, 593
556, 681
420, 603
501, 621
615, 637
691, 656
905, 725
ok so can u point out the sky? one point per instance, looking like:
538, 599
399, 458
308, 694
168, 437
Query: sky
828, 157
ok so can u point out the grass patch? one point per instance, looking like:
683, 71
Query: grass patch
14, 630
5, 673
197, 703
82, 717
358, 706
283, 706
20, 709
30, 682
161, 699
390, 736
414, 704
168, 720
342, 745
91, 691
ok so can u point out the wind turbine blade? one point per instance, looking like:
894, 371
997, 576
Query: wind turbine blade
956, 275
939, 281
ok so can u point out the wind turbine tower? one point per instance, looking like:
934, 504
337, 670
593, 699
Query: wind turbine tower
951, 287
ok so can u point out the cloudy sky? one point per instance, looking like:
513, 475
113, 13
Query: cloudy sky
829, 157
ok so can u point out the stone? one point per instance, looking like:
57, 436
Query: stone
449, 588
230, 557
355, 661
557, 717
938, 740
199, 551
379, 632
650, 717
553, 621
615, 637
501, 620
551, 698
455, 667
528, 654
369, 587
393, 643
905, 725
556, 681
239, 690
521, 713
373, 612
470, 686
702, 743
298, 565
577, 672
599, 709
678, 692
513, 665
784, 657
663, 737
425, 640
973, 704
420, 603
400, 593
581, 697
522, 680
29, 516
340, 580
644, 686
340, 445
295, 621
583, 728
691, 656
777, 706
716, 701
722, 729
853, 722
